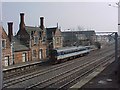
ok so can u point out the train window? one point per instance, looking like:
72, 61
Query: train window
58, 53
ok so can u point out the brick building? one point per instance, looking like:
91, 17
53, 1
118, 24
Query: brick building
6, 49
30, 43
34, 38
54, 36
13, 51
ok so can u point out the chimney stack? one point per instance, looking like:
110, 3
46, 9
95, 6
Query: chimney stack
10, 30
42, 23
22, 24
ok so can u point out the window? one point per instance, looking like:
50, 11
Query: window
32, 33
24, 58
6, 61
40, 34
35, 40
34, 53
57, 40
4, 43
43, 39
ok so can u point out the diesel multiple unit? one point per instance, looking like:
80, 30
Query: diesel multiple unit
66, 53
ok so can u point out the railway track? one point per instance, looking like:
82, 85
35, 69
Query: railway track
54, 82
30, 70
38, 73
69, 80
12, 82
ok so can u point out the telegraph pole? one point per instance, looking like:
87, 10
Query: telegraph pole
116, 47
118, 17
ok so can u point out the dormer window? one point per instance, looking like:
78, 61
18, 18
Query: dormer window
35, 40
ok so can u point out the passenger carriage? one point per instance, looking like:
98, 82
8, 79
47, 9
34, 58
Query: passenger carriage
67, 53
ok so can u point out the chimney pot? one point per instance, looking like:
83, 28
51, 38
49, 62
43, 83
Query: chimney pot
22, 24
42, 23
10, 30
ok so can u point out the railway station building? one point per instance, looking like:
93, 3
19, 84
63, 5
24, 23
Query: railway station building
30, 43
13, 51
54, 35
6, 50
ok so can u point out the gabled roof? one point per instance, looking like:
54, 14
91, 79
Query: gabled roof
30, 28
50, 31
3, 32
18, 46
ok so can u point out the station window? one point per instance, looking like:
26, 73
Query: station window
6, 61
35, 40
3, 43
24, 56
40, 34
57, 40
34, 53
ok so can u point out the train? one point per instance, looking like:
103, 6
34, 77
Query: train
67, 53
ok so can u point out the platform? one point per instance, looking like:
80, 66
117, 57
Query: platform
20, 65
107, 79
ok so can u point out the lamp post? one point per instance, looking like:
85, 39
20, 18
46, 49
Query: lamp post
117, 6
116, 46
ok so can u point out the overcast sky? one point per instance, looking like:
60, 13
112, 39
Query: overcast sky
90, 15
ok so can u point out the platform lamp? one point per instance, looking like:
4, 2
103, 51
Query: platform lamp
117, 5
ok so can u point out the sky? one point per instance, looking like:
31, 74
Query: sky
69, 15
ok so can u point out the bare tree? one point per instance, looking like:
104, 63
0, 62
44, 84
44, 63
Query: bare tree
80, 28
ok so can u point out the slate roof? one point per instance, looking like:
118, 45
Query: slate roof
30, 28
49, 32
18, 46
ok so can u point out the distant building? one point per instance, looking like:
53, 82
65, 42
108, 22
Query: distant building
104, 39
72, 38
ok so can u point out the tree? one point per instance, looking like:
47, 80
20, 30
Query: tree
81, 28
